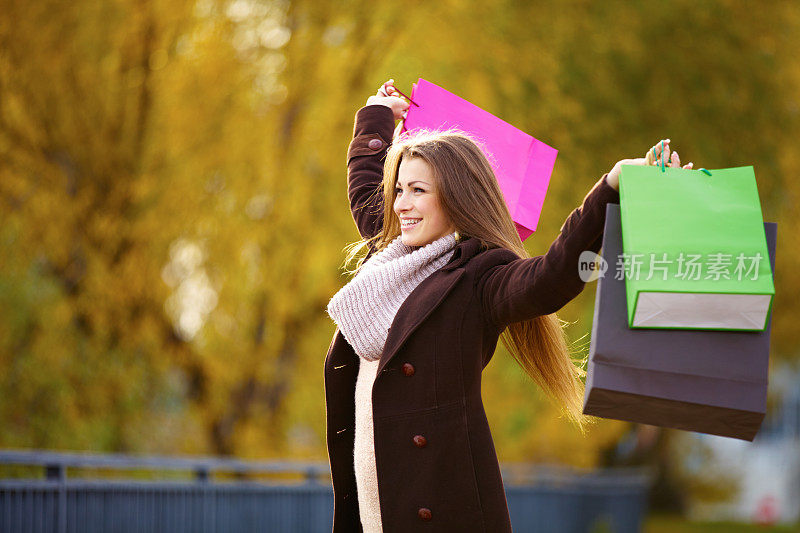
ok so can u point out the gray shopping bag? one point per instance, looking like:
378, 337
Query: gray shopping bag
707, 381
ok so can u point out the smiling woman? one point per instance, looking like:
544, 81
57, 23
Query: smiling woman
445, 276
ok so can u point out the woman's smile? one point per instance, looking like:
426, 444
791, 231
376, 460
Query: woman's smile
409, 223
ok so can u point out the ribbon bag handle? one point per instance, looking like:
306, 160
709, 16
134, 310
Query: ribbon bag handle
663, 168
402, 124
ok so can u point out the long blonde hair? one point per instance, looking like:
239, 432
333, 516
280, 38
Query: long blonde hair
469, 194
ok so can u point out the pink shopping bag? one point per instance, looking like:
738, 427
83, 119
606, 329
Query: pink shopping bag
522, 164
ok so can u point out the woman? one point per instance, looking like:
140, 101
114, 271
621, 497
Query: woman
444, 276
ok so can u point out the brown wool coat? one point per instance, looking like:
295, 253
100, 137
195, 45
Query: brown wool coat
429, 377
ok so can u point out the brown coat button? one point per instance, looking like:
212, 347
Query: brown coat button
420, 441
375, 144
408, 369
424, 513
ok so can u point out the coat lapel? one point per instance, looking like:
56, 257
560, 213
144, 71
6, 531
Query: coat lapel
415, 309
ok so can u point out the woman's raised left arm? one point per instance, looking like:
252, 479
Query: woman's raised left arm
520, 289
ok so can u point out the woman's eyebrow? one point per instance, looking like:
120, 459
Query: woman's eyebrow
413, 182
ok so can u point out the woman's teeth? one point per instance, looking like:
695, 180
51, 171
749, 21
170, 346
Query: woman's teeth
409, 224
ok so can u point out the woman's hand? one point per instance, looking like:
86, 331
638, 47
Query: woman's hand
653, 156
387, 95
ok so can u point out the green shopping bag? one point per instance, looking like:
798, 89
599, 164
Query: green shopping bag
694, 249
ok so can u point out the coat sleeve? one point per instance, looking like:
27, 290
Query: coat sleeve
524, 288
372, 134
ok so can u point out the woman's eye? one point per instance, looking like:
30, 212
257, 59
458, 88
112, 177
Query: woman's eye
418, 189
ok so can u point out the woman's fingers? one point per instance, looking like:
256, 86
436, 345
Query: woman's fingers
386, 87
389, 96
661, 150
653, 156
665, 154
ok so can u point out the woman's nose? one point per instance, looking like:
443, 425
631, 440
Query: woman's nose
400, 204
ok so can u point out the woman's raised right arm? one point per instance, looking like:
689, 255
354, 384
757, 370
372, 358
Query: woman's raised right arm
372, 135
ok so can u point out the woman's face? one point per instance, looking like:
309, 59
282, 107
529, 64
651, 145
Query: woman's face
418, 202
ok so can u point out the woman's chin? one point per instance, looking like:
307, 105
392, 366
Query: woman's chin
409, 240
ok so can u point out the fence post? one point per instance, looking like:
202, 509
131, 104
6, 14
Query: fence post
201, 474
311, 475
57, 473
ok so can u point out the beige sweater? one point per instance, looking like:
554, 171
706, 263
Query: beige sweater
364, 449
364, 309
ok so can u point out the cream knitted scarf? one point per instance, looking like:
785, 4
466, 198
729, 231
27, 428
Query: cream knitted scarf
365, 307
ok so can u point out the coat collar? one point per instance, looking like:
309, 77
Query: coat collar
414, 310
464, 251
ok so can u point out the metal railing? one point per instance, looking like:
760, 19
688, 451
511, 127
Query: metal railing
72, 492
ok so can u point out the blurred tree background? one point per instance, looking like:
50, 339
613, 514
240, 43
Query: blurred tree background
173, 205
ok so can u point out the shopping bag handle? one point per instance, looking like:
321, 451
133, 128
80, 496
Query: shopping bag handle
655, 157
401, 92
663, 169
404, 129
